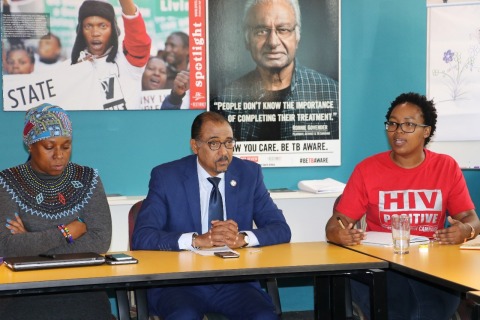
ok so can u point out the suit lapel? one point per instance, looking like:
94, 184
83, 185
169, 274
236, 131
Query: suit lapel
192, 193
232, 182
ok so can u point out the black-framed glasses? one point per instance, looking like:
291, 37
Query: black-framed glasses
214, 145
407, 127
283, 32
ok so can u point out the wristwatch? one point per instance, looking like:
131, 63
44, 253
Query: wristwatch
194, 237
472, 233
245, 238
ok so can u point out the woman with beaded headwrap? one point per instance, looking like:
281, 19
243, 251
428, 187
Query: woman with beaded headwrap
97, 43
50, 205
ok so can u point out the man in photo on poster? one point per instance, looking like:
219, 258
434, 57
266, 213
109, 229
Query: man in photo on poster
176, 54
280, 99
116, 65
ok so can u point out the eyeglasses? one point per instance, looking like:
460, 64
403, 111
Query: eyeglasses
214, 145
283, 32
407, 127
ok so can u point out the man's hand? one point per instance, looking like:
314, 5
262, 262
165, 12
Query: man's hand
181, 83
128, 7
225, 233
222, 233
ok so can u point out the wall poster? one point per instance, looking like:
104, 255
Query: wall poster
38, 45
453, 67
274, 74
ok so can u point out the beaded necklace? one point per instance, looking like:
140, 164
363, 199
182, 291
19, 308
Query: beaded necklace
50, 196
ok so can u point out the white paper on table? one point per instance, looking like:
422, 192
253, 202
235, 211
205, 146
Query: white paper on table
473, 244
327, 185
211, 251
384, 239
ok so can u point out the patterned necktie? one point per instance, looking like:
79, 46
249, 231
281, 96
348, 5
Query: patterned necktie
215, 205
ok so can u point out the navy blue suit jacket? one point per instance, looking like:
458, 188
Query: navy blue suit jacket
172, 206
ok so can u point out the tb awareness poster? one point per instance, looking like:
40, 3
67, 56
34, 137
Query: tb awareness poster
275, 78
231, 52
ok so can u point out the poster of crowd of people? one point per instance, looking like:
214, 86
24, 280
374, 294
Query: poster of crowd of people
271, 70
55, 51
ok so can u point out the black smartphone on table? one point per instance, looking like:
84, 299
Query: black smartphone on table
119, 258
226, 254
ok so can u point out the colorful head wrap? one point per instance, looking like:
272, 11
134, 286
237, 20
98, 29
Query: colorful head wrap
46, 121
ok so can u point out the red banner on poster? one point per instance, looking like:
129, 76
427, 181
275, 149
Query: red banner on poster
198, 58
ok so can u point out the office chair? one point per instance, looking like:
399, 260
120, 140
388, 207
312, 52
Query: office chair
140, 306
138, 297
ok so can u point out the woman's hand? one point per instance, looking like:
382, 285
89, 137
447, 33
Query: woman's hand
456, 233
350, 236
340, 229
77, 228
16, 225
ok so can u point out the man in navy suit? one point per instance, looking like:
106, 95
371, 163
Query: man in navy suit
174, 216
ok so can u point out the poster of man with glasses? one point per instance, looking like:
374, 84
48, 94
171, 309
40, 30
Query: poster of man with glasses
281, 94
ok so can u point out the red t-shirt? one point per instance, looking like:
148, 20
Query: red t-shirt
380, 188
